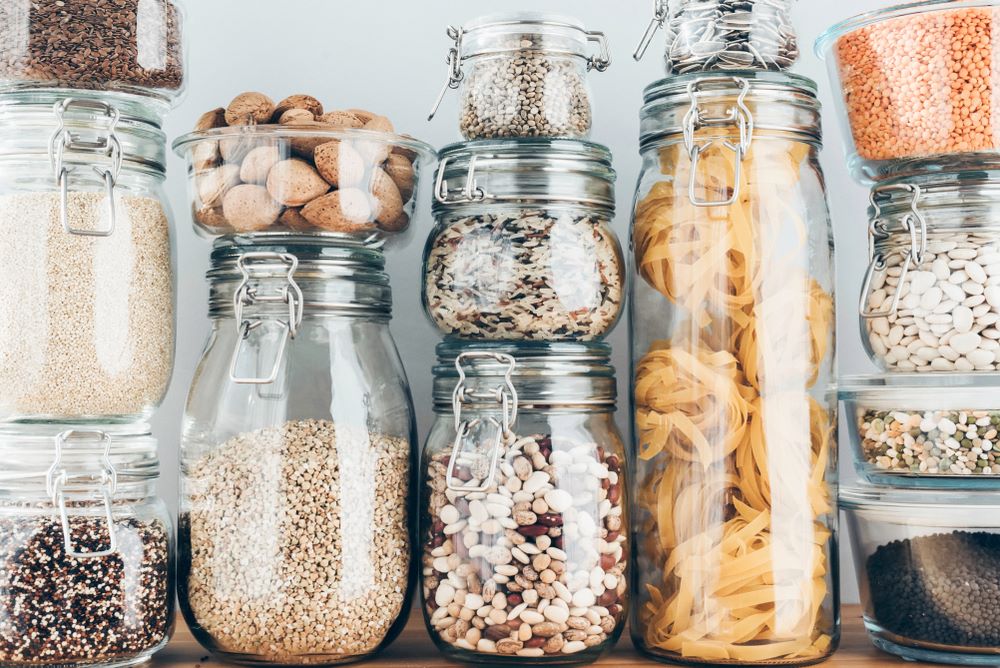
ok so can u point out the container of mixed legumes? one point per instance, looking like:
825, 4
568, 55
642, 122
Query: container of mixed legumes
927, 564
924, 431
918, 84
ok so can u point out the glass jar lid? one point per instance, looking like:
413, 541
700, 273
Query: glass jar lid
946, 199
907, 391
925, 507
527, 171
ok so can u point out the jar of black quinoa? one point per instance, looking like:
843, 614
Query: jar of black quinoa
85, 549
928, 566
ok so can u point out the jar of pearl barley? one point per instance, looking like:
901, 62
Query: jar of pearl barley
930, 298
523, 521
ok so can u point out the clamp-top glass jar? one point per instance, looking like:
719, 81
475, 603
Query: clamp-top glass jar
86, 549
523, 74
296, 458
523, 247
524, 524
930, 300
734, 392
86, 266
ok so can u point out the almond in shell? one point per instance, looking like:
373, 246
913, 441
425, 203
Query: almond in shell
213, 184
305, 102
388, 203
258, 163
340, 164
250, 208
347, 210
295, 182
400, 169
250, 109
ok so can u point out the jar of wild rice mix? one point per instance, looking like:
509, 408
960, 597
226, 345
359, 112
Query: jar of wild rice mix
524, 74
524, 524
86, 258
523, 247
86, 548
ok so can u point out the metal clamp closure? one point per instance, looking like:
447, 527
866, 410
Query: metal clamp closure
455, 74
107, 145
602, 60
505, 395
471, 193
655, 23
738, 115
248, 295
912, 222
57, 479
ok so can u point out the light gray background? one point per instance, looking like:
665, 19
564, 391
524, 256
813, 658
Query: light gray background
388, 56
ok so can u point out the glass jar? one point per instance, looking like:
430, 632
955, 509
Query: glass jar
926, 562
87, 263
523, 74
523, 247
296, 459
930, 300
128, 46
524, 525
86, 548
732, 314
710, 35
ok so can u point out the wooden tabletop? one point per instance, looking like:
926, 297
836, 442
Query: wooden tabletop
413, 649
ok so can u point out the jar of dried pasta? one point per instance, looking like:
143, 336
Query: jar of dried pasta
524, 527
523, 247
733, 375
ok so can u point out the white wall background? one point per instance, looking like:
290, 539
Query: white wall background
388, 56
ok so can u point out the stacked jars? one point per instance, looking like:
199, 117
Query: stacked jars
297, 457
918, 84
523, 530
86, 329
733, 323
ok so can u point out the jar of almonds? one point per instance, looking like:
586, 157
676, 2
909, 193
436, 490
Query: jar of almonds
524, 526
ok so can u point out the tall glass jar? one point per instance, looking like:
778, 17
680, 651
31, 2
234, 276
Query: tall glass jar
523, 247
86, 263
524, 528
296, 458
524, 74
732, 317
86, 548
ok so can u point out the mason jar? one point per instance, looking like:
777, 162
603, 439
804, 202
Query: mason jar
524, 523
733, 386
296, 458
86, 548
523, 248
524, 74
87, 264
930, 299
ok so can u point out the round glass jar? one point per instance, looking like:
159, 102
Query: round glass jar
296, 459
733, 382
523, 247
523, 74
930, 299
524, 526
711, 35
127, 46
926, 563
87, 264
86, 548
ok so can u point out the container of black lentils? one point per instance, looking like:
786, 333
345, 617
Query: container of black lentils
85, 550
928, 566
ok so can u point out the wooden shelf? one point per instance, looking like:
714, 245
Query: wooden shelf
413, 649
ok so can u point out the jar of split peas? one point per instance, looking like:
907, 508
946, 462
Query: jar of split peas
732, 310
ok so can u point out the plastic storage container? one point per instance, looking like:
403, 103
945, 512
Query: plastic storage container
129, 46
732, 314
930, 299
524, 74
86, 549
340, 184
918, 85
927, 565
86, 267
523, 247
296, 459
707, 35
524, 524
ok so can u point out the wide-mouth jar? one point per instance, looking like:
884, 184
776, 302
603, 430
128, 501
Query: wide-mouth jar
917, 84
523, 248
524, 74
86, 559
926, 563
930, 298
